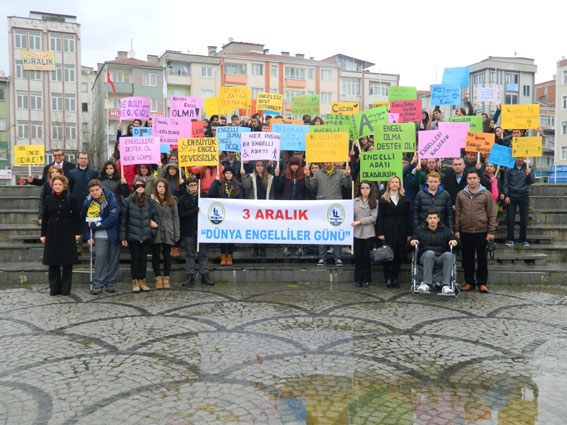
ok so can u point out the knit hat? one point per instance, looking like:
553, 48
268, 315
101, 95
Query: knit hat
228, 169
293, 160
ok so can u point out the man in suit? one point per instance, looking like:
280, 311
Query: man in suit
58, 159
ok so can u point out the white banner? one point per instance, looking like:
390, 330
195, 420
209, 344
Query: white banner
275, 222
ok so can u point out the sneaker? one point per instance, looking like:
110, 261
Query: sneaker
447, 290
339, 263
286, 252
96, 291
300, 252
524, 244
321, 262
110, 289
510, 244
365, 284
189, 282
423, 289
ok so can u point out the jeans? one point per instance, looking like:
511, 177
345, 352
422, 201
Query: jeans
475, 243
429, 260
226, 248
107, 259
190, 254
362, 269
323, 252
524, 206
60, 280
139, 258
166, 250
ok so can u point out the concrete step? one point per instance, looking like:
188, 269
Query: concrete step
548, 202
556, 231
12, 252
554, 189
20, 190
554, 252
21, 216
520, 257
500, 237
17, 202
7, 231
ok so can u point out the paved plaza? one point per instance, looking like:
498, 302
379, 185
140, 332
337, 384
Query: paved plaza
280, 353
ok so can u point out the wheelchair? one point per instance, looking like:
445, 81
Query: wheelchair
437, 284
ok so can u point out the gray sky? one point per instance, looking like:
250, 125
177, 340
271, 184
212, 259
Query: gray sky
415, 39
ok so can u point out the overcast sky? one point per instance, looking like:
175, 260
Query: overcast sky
415, 39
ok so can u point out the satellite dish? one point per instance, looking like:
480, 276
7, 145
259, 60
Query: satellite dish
230, 39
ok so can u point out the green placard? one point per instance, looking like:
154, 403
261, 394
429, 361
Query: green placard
396, 93
380, 166
395, 137
341, 120
364, 122
329, 128
305, 105
474, 120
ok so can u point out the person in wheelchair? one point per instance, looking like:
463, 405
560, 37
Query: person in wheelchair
434, 241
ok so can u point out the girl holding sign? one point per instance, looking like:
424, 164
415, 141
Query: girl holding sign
365, 214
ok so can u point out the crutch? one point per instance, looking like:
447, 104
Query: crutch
91, 240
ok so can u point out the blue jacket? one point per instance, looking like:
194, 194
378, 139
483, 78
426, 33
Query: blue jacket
79, 182
110, 217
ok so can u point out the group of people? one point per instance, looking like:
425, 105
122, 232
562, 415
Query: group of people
153, 208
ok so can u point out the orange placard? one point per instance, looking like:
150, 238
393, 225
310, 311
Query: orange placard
479, 142
284, 121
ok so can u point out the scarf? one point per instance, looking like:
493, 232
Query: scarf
193, 196
329, 172
394, 197
228, 190
96, 207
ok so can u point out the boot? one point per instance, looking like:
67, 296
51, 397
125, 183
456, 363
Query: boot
174, 252
229, 259
159, 282
135, 285
206, 281
143, 286
166, 282
190, 281
223, 260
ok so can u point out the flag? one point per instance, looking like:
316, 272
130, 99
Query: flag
108, 80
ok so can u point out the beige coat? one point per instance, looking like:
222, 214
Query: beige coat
367, 218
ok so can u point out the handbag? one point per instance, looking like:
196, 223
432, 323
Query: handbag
381, 255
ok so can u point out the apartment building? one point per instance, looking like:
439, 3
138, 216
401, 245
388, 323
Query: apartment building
561, 113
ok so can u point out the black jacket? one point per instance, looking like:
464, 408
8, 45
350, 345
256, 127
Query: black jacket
394, 222
435, 240
188, 209
135, 221
67, 167
518, 184
424, 201
79, 182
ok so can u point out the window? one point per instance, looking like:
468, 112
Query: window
70, 103
179, 69
35, 75
526, 90
84, 87
563, 128
511, 78
350, 86
478, 78
255, 91
37, 130
492, 77
273, 70
235, 68
547, 121
206, 72
564, 77
207, 93
85, 126
289, 94
120, 77
20, 73
378, 89
69, 43
35, 100
153, 105
35, 40
150, 79
21, 39
511, 99
257, 69
564, 102
274, 90
326, 75
70, 131
21, 100
115, 103
56, 75
56, 101
85, 107
563, 153
57, 131
178, 92
292, 73
326, 97
2, 98
23, 130
55, 42
69, 74
2, 124
310, 73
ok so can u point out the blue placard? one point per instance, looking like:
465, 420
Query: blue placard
163, 148
272, 113
456, 76
445, 95
501, 155
229, 138
141, 131
292, 136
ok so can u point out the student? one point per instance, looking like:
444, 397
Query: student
47, 188
517, 188
433, 196
110, 179
365, 214
207, 176
167, 233
145, 174
495, 187
171, 175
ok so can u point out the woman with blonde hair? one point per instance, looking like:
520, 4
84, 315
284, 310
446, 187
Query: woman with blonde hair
47, 189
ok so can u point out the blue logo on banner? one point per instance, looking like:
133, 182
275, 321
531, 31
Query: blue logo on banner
336, 215
216, 213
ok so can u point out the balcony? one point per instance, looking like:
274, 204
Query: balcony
295, 84
240, 80
121, 88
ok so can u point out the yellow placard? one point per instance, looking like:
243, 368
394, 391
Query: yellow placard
378, 104
198, 151
234, 98
211, 106
345, 108
326, 147
479, 142
38, 61
29, 155
526, 146
269, 102
521, 117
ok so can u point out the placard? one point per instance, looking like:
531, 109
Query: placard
292, 136
326, 147
436, 144
260, 145
345, 108
395, 137
132, 108
490, 94
305, 105
234, 98
479, 142
211, 105
501, 155
445, 95
38, 61
393, 118
475, 122
269, 102
198, 151
526, 146
185, 107
342, 120
29, 155
456, 76
170, 129
284, 121
139, 150
379, 104
229, 138
396, 93
409, 110
142, 131
380, 166
364, 122
329, 128
197, 129
521, 117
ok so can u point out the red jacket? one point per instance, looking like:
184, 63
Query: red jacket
209, 177
129, 173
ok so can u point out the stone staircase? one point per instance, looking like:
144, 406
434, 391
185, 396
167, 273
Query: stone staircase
541, 264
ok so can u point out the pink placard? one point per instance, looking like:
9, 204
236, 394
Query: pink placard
409, 110
438, 144
132, 108
185, 107
393, 118
459, 129
139, 150
170, 129
258, 145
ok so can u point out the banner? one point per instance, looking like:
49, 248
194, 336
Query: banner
475, 122
364, 122
501, 155
345, 108
170, 129
326, 147
292, 136
401, 93
479, 142
526, 146
305, 105
445, 95
229, 138
211, 106
259, 145
395, 137
409, 110
490, 94
521, 117
456, 76
38, 61
234, 98
29, 155
142, 132
380, 166
198, 151
437, 144
275, 222
269, 102
139, 150
132, 108
185, 107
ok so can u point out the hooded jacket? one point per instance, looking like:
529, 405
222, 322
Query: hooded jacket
110, 216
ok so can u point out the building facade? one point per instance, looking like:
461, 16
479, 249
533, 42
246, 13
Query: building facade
88, 76
561, 113
5, 123
545, 96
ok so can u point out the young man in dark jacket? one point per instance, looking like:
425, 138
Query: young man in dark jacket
433, 196
434, 240
80, 176
517, 187
188, 207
